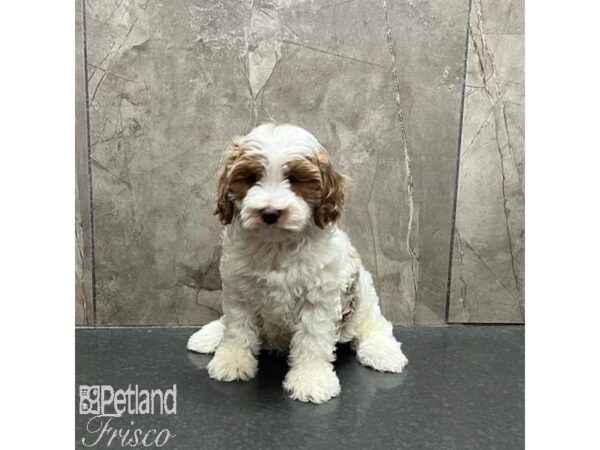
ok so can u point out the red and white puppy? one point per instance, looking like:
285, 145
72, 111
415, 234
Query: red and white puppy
292, 282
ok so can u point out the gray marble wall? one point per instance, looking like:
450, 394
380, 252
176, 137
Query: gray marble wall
161, 88
488, 252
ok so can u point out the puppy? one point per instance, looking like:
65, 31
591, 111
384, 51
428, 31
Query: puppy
292, 282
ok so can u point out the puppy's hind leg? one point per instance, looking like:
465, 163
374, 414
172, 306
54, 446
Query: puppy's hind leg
208, 338
376, 346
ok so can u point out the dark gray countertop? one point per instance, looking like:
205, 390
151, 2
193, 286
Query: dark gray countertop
463, 388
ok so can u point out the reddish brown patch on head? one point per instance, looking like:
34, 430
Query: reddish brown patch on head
304, 176
244, 173
314, 179
239, 173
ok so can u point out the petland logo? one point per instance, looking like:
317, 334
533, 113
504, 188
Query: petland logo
106, 404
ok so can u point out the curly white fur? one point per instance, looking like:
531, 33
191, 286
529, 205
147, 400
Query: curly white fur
287, 287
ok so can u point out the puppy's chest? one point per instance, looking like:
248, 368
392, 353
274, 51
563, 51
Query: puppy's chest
281, 291
283, 287
278, 280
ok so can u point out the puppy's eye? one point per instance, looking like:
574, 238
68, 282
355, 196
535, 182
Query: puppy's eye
291, 178
251, 178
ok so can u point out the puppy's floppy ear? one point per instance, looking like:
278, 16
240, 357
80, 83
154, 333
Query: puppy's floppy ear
224, 204
333, 184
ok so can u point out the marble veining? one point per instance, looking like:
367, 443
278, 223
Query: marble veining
84, 313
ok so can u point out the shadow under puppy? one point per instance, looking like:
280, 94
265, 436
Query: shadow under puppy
292, 282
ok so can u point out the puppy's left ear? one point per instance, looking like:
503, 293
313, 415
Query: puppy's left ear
333, 197
224, 204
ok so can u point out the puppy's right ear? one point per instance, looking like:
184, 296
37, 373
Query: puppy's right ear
224, 204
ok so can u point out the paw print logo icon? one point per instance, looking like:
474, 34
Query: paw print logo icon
89, 399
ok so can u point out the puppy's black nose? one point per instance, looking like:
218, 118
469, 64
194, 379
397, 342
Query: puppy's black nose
270, 215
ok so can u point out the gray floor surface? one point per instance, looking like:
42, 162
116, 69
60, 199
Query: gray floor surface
463, 389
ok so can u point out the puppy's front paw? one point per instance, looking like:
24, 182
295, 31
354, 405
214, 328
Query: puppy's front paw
207, 338
232, 363
314, 383
381, 353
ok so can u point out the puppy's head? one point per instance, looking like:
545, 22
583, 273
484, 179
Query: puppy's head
278, 178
